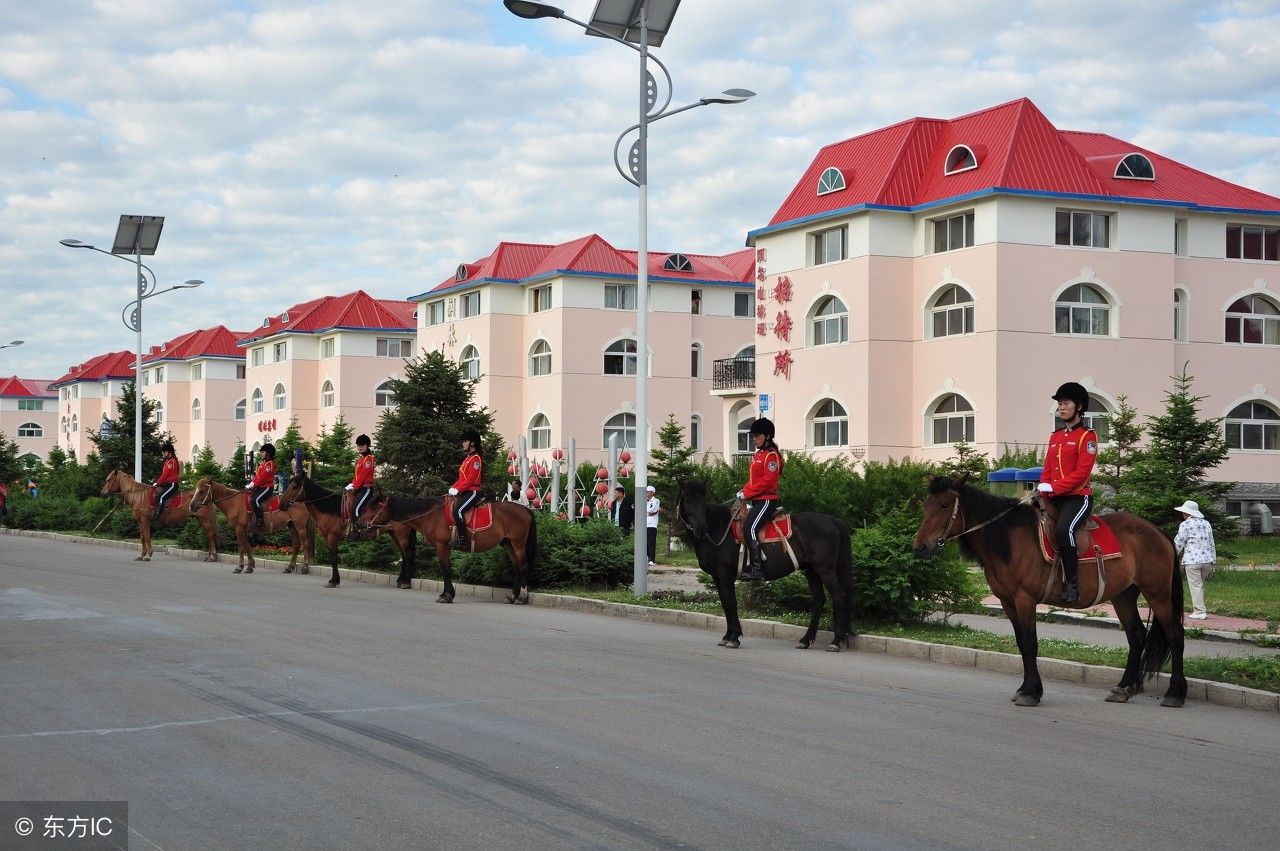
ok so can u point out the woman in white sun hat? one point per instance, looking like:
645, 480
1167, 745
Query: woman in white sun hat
1194, 543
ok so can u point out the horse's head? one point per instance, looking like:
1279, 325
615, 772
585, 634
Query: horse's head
691, 508
203, 494
377, 513
294, 491
112, 484
942, 515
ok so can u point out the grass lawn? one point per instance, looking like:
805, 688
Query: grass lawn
1254, 550
1242, 594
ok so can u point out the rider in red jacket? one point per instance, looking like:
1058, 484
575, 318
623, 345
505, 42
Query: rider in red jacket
167, 481
1068, 463
362, 481
467, 488
761, 490
264, 480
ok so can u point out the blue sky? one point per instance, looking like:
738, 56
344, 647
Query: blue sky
304, 148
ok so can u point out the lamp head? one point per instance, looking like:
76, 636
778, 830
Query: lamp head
74, 243
730, 96
188, 285
15, 342
525, 9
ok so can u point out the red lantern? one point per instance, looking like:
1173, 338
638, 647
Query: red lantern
624, 456
511, 455
602, 488
511, 469
533, 481
586, 511
602, 473
530, 493
536, 502
624, 472
557, 454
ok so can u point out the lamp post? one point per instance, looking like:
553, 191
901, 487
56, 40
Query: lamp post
12, 343
137, 235
646, 23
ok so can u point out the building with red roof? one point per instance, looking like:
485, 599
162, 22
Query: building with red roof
937, 279
87, 394
29, 414
323, 358
548, 334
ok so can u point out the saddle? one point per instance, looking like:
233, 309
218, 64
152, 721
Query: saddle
272, 503
175, 501
1094, 540
776, 531
478, 518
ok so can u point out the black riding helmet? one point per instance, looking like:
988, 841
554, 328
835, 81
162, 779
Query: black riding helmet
763, 426
168, 447
1076, 393
473, 436
362, 440
269, 450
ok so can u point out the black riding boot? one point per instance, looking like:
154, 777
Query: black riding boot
257, 518
1070, 570
753, 572
459, 537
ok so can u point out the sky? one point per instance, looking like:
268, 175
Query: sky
299, 149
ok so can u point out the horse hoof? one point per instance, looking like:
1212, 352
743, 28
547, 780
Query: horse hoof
1173, 701
445, 598
249, 569
288, 570
403, 585
724, 642
833, 648
1118, 695
802, 644
305, 570
146, 558
137, 558
238, 570
331, 584
1026, 700
734, 644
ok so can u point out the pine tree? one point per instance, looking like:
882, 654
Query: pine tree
672, 464
1181, 449
116, 449
205, 464
418, 442
1122, 452
233, 474
335, 456
10, 468
967, 460
286, 448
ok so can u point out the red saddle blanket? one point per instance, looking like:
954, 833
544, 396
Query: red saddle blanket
478, 519
272, 503
175, 501
775, 530
1086, 538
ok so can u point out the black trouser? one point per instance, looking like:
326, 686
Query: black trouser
358, 498
1072, 511
651, 543
168, 490
757, 515
463, 501
260, 495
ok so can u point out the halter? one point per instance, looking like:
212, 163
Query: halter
679, 514
944, 538
212, 498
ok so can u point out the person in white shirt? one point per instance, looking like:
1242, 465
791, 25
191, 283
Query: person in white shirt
1194, 543
651, 508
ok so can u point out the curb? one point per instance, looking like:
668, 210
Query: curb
1103, 622
1102, 676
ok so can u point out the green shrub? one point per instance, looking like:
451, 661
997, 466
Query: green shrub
892, 585
593, 554
44, 512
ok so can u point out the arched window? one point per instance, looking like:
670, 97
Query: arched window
1253, 425
1082, 309
540, 358
832, 180
1135, 167
677, 263
540, 432
695, 431
239, 410
256, 399
830, 424
960, 158
744, 436
1253, 320
62, 426
695, 360
195, 410
326, 394
951, 419
159, 414
469, 360
30, 430
1180, 315
384, 396
952, 312
1098, 418
280, 398
830, 322
624, 426
620, 358
195, 452
746, 352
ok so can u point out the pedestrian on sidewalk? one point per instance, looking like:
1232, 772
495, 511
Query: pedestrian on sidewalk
623, 511
651, 508
1194, 543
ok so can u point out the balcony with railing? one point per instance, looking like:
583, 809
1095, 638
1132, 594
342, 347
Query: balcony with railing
733, 377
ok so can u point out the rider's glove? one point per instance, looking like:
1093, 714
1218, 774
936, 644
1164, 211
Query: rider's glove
453, 491
741, 495
1045, 487
350, 487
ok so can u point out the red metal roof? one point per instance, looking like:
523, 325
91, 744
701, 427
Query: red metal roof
592, 255
25, 387
353, 311
216, 342
110, 365
1017, 149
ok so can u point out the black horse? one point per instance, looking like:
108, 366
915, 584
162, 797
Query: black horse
821, 544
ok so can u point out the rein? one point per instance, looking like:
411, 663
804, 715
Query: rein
215, 499
944, 538
727, 529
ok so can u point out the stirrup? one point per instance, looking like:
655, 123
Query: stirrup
1070, 592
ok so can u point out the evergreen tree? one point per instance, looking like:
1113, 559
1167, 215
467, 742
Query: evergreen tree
672, 463
286, 446
206, 464
1122, 452
335, 456
10, 468
116, 450
233, 474
1181, 449
418, 442
967, 460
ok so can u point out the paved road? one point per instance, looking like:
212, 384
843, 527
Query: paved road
267, 712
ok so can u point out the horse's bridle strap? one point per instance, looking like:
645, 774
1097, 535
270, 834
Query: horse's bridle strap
944, 538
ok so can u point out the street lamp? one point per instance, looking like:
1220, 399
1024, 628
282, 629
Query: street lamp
137, 235
645, 22
12, 343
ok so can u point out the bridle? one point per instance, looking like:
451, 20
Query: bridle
727, 528
945, 538
209, 497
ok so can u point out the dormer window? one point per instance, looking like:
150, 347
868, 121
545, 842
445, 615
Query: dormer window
960, 158
284, 318
832, 180
266, 322
461, 274
678, 263
1135, 167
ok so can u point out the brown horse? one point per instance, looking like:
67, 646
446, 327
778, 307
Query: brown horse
231, 503
513, 527
325, 509
1000, 534
137, 495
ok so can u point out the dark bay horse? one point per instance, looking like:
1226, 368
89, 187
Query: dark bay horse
1000, 534
513, 527
822, 547
325, 508
231, 503
137, 495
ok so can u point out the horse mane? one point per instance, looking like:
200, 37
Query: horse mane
324, 501
980, 507
137, 494
400, 507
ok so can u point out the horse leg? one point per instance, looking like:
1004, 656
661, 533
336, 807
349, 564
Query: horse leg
1126, 606
296, 540
1021, 612
210, 525
840, 616
446, 571
519, 572
404, 539
1164, 639
242, 542
144, 538
726, 576
817, 601
333, 539
308, 545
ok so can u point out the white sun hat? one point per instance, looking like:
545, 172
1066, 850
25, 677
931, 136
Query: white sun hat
1191, 508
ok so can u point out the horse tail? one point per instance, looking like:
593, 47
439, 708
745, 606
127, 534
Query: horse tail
1159, 644
531, 543
844, 572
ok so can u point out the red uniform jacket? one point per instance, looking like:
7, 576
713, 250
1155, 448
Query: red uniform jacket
762, 481
469, 476
364, 471
1069, 461
169, 472
266, 475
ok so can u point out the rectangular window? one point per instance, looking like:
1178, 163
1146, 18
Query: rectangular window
259, 356
695, 302
695, 433
391, 347
1180, 237
146, 378
197, 371
540, 299
30, 404
326, 347
830, 245
1253, 242
435, 312
744, 304
159, 375
620, 296
279, 352
953, 232
471, 304
239, 370
1082, 228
